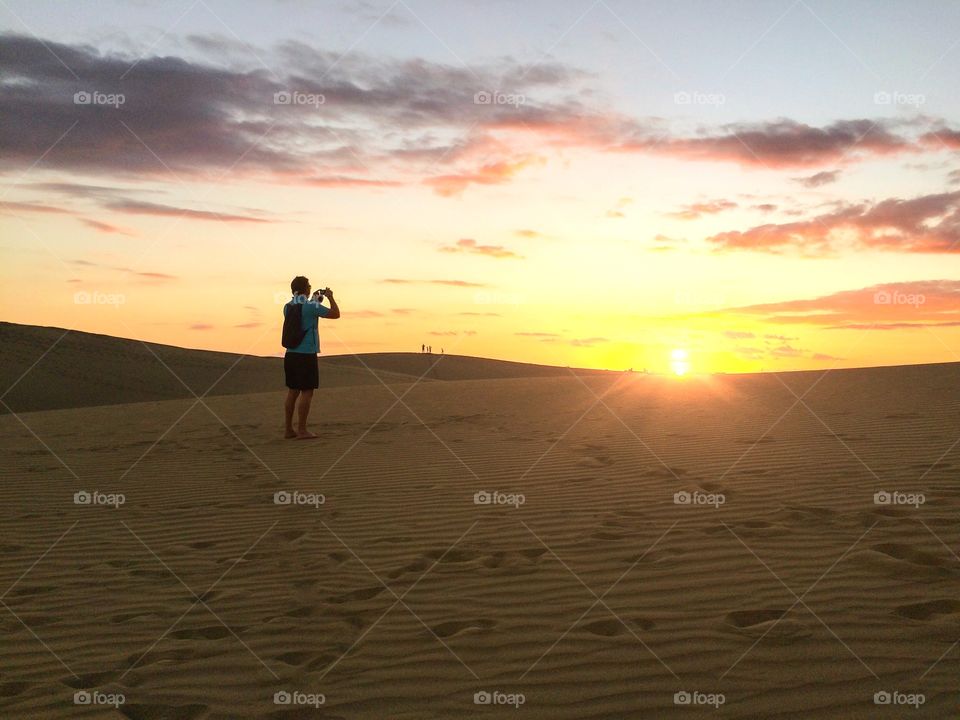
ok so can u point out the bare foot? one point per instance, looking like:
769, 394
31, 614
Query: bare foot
290, 434
306, 435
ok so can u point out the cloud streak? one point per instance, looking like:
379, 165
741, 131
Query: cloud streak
887, 306
925, 224
472, 247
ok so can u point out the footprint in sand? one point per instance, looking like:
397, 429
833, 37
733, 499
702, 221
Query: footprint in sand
169, 656
494, 560
596, 461
355, 595
127, 617
211, 632
594, 456
87, 681
749, 528
456, 555
920, 560
417, 566
929, 610
613, 627
12, 689
303, 611
201, 544
449, 629
293, 659
768, 623
533, 553
440, 557
31, 590
291, 535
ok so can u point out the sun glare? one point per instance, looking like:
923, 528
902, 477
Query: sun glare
680, 362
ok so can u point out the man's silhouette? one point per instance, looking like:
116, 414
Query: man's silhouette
300, 364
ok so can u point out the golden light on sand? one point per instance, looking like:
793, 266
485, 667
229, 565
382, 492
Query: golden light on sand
680, 362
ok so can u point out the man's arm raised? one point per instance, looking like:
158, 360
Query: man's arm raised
334, 308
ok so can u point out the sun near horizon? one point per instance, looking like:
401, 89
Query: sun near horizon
170, 192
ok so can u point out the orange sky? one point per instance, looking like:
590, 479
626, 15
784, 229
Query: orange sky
488, 200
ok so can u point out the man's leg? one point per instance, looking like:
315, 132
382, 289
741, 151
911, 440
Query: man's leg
306, 396
288, 410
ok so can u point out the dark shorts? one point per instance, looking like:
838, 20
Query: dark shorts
301, 370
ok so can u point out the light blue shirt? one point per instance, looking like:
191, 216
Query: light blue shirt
312, 312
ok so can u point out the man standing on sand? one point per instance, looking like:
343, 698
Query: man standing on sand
300, 365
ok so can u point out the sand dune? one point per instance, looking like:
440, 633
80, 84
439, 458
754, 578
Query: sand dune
78, 369
693, 597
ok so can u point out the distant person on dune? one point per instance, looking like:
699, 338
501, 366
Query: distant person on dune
301, 338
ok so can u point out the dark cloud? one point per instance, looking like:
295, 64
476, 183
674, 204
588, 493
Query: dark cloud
785, 143
414, 121
186, 117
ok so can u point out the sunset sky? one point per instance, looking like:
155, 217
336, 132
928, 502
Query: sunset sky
764, 185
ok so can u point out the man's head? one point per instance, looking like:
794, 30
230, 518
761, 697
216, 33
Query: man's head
300, 285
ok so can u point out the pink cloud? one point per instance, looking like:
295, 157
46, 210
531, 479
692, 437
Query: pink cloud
916, 304
699, 209
925, 224
493, 173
